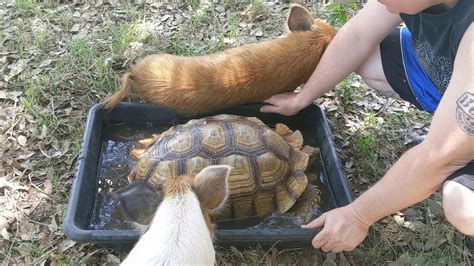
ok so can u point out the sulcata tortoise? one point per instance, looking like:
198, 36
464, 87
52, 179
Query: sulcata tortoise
268, 172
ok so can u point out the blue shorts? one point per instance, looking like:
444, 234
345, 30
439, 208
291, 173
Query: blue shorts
405, 74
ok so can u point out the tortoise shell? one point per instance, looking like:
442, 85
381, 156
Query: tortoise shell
268, 165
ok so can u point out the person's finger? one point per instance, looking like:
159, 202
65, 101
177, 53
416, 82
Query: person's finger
318, 222
321, 239
336, 250
269, 109
328, 247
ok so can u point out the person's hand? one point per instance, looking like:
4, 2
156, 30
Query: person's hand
342, 231
286, 103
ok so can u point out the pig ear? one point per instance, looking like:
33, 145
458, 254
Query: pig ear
299, 19
139, 201
211, 187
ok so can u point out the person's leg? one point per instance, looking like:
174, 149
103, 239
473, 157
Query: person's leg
373, 75
384, 70
458, 205
458, 199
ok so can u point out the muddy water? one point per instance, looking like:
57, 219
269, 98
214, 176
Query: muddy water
115, 164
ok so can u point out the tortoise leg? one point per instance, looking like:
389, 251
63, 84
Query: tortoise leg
314, 154
308, 204
294, 138
141, 145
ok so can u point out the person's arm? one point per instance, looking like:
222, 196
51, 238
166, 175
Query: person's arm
350, 47
448, 147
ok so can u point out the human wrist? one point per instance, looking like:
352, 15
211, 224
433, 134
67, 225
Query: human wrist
302, 101
358, 214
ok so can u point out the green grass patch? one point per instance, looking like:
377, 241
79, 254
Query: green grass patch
51, 3
42, 38
126, 34
339, 14
85, 63
365, 141
20, 41
83, 53
350, 90
194, 4
370, 120
133, 13
233, 25
180, 46
203, 19
26, 7
258, 7
377, 252
62, 19
218, 46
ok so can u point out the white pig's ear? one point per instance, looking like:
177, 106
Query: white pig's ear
299, 18
139, 201
211, 186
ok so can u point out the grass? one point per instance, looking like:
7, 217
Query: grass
180, 47
134, 12
51, 3
233, 25
82, 53
126, 34
339, 14
26, 7
194, 4
258, 7
202, 19
350, 90
62, 19
20, 40
42, 38
85, 58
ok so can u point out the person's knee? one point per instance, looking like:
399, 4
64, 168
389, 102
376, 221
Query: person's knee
458, 205
364, 71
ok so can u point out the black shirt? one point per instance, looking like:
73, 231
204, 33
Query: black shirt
436, 34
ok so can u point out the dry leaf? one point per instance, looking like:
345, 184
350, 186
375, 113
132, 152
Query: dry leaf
10, 95
21, 140
112, 259
46, 62
404, 259
5, 234
48, 187
3, 223
15, 69
343, 260
65, 245
400, 220
330, 259
435, 241
75, 28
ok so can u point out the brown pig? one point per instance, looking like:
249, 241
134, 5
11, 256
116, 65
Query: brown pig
246, 74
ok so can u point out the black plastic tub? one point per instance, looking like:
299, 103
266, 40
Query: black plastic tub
311, 122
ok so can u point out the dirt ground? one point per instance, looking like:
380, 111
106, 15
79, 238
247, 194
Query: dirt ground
59, 59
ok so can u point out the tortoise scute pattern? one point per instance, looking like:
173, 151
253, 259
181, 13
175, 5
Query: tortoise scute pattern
267, 175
